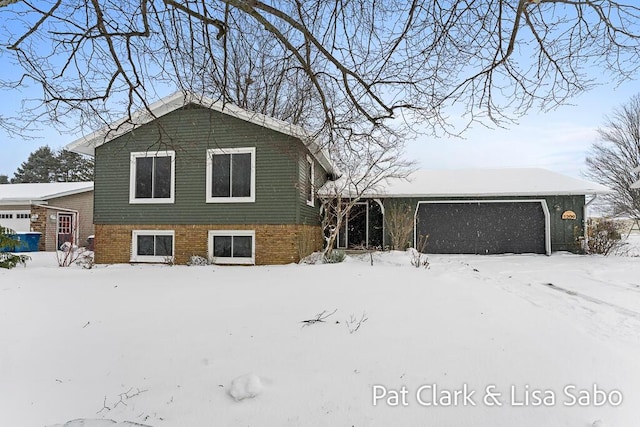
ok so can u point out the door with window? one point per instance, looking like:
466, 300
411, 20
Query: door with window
66, 223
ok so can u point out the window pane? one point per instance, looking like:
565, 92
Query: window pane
309, 182
162, 184
222, 246
241, 167
242, 246
144, 174
220, 175
145, 245
164, 245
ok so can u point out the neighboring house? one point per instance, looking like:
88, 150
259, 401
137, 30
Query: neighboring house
478, 211
61, 211
196, 177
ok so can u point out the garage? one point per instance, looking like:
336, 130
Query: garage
483, 226
473, 211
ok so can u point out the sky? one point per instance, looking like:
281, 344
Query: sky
558, 140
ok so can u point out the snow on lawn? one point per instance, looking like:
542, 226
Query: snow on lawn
165, 346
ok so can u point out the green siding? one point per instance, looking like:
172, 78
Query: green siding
190, 132
309, 214
564, 233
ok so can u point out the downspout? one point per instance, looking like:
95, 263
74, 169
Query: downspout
585, 240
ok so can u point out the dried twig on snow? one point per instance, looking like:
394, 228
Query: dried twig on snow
320, 317
353, 324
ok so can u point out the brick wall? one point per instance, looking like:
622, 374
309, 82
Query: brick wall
275, 244
40, 225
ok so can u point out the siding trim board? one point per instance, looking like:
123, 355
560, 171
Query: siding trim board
542, 202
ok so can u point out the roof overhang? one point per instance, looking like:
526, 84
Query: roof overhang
21, 202
470, 183
87, 144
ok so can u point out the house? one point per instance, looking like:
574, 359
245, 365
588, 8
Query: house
60, 211
477, 211
193, 176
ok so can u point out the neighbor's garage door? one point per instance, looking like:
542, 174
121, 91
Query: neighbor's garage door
482, 227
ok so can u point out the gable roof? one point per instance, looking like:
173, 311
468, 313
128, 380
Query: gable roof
177, 100
482, 183
40, 192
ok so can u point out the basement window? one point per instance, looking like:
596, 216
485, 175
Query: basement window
152, 246
232, 246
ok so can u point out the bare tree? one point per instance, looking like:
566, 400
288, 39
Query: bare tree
366, 163
612, 159
365, 64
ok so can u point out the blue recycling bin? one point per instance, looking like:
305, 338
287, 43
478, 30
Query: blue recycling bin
28, 242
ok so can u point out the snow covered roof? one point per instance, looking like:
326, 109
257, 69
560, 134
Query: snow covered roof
40, 192
480, 182
177, 100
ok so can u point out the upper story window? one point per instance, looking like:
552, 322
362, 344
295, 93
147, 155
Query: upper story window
152, 177
310, 184
231, 175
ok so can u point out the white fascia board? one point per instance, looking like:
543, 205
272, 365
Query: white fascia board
21, 202
70, 192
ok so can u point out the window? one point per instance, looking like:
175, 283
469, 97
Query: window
231, 175
310, 189
23, 216
152, 245
6, 216
232, 246
152, 177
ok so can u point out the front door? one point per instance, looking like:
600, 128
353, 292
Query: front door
65, 228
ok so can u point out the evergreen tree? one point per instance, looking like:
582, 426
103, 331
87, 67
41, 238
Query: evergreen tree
45, 165
39, 167
73, 167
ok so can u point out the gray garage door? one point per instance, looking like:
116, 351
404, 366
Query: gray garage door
482, 227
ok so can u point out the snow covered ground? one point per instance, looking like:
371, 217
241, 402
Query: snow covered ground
529, 340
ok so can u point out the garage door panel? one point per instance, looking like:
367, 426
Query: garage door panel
482, 227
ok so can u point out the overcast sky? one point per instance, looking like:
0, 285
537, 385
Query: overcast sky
558, 140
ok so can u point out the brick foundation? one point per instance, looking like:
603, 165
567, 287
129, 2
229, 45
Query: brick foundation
275, 244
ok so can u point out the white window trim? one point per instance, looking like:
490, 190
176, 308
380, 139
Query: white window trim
232, 260
151, 258
311, 190
132, 177
246, 150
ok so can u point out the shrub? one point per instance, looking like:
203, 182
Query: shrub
418, 256
398, 219
7, 259
334, 257
604, 236
197, 260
